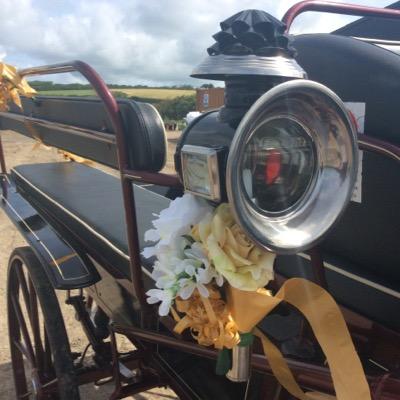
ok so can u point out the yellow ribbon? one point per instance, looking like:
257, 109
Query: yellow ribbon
328, 325
11, 86
74, 157
208, 319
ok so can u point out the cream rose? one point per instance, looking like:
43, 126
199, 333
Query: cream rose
244, 265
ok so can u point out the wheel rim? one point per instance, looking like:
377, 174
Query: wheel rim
31, 355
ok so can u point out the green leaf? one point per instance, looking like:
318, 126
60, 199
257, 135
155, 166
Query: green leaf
246, 339
224, 362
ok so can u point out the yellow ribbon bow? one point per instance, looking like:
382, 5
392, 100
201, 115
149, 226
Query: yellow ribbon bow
208, 319
328, 325
11, 86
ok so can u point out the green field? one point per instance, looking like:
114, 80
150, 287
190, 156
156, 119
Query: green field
156, 94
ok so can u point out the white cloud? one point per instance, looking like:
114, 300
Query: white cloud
130, 41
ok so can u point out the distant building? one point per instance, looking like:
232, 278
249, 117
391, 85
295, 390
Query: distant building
209, 98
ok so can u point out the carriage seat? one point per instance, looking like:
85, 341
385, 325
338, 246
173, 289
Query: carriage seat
88, 202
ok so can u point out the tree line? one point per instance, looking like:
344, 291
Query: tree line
170, 109
50, 85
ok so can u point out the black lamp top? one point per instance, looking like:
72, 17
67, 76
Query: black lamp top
251, 43
251, 32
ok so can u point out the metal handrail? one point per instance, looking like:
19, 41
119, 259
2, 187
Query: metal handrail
127, 175
336, 8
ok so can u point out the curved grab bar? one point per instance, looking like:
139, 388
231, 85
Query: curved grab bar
98, 85
336, 8
113, 111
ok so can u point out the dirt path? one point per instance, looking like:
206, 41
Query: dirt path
21, 150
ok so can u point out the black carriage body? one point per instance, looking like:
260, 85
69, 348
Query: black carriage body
94, 234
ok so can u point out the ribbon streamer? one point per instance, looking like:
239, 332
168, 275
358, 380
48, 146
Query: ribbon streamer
11, 86
328, 325
213, 322
74, 157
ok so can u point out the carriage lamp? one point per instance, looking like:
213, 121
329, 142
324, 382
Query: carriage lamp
292, 166
287, 150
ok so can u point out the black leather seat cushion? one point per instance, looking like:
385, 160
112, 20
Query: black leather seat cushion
89, 202
143, 127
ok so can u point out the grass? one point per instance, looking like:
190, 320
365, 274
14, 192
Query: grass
150, 93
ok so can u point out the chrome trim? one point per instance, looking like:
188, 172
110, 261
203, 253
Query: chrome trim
390, 45
366, 145
241, 364
327, 119
357, 278
378, 41
217, 67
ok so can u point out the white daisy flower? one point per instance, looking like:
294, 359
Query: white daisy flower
166, 298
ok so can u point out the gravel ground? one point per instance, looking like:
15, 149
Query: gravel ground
20, 150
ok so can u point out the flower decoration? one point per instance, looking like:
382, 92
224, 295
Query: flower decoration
174, 222
11, 86
210, 277
197, 249
244, 265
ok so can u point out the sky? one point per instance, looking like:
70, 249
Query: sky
152, 42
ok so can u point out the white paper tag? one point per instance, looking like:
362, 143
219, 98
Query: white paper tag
356, 197
357, 111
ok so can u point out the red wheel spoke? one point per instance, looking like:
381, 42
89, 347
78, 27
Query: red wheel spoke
21, 321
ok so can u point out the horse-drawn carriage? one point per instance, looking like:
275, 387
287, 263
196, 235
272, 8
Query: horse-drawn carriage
268, 180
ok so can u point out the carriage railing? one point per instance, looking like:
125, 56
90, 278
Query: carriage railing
127, 174
336, 8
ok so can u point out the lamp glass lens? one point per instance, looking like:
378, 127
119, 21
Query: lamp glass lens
196, 171
278, 164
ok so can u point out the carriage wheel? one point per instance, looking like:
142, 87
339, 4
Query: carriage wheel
40, 352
